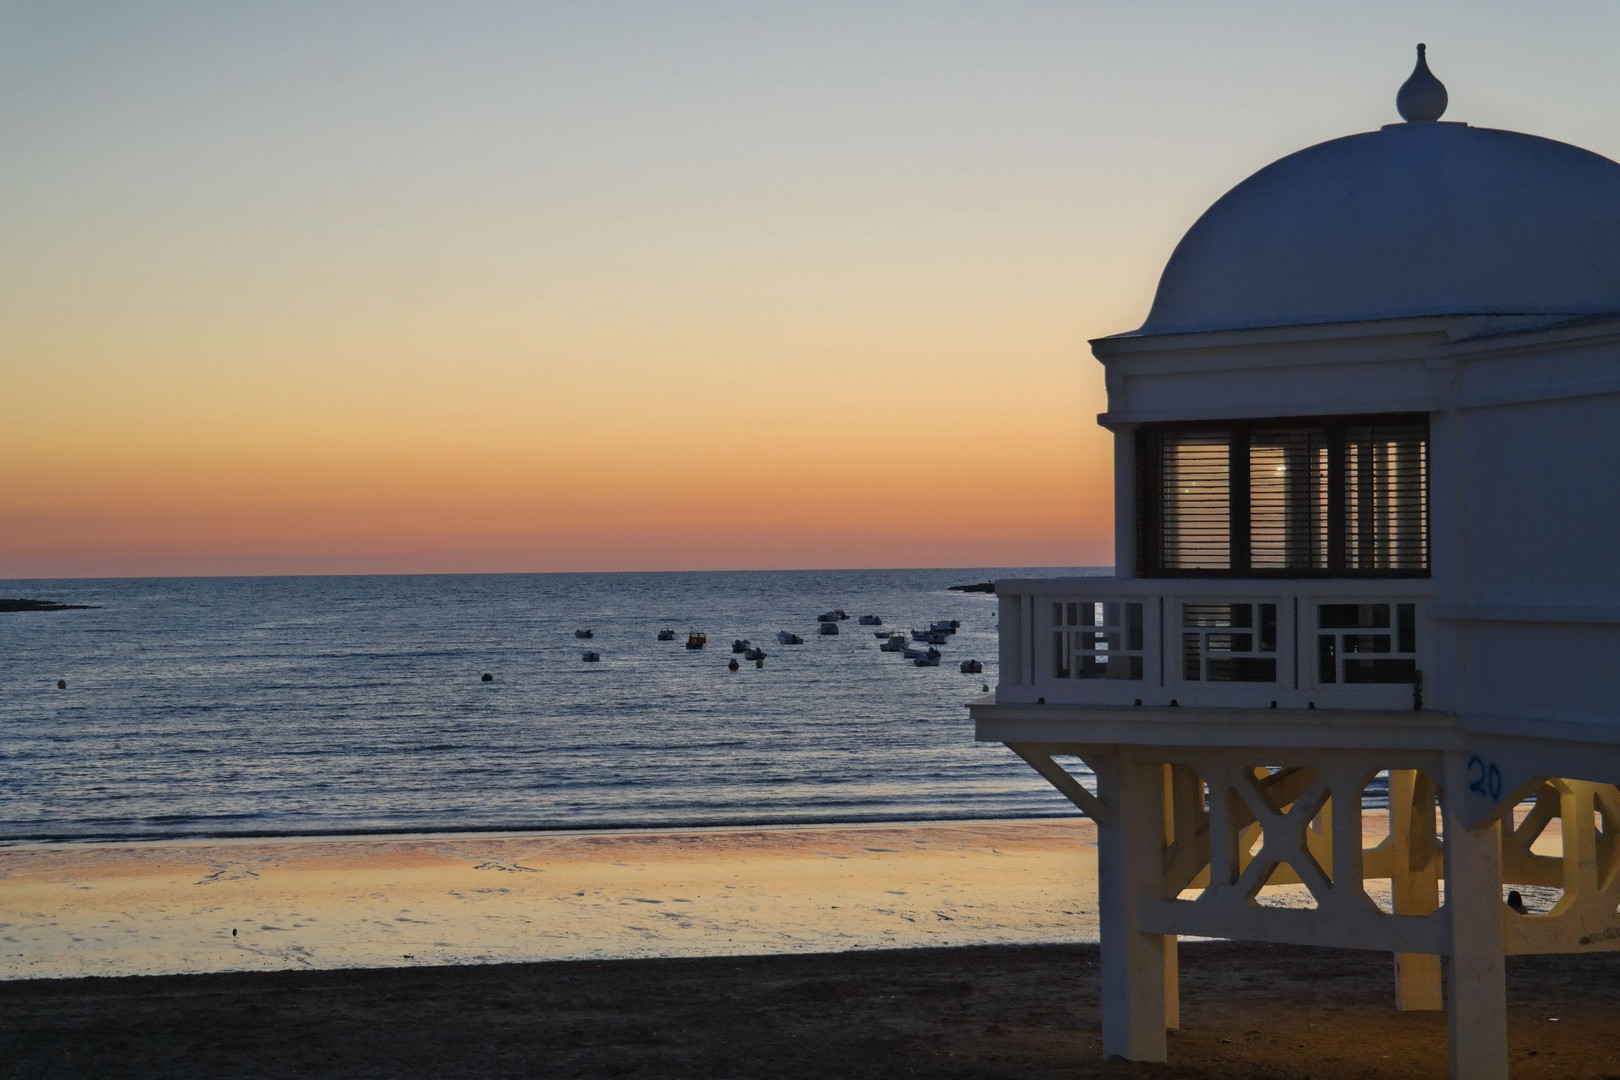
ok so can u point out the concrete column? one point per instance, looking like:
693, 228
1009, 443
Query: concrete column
1415, 881
1130, 864
1477, 987
1575, 808
1172, 957
1172, 983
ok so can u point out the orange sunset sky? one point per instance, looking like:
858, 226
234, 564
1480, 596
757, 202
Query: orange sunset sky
346, 288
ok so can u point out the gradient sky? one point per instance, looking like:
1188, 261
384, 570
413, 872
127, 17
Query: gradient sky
336, 288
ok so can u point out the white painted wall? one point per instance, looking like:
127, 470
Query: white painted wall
1523, 631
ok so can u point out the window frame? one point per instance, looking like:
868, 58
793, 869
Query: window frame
1150, 519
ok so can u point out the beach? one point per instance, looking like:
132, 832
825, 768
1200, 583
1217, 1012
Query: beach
955, 949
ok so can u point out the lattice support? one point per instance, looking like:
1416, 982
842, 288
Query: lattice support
1192, 840
1586, 917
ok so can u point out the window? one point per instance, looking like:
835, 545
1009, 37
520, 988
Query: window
1197, 493
1324, 496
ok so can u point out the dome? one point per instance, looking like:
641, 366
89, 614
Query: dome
1416, 219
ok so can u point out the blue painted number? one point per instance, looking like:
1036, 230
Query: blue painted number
1484, 779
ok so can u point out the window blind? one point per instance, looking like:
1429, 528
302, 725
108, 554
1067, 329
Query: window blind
1329, 496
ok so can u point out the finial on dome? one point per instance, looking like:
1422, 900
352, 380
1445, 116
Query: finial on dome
1422, 97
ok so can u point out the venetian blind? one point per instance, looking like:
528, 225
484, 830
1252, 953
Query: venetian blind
1288, 499
1195, 491
1386, 496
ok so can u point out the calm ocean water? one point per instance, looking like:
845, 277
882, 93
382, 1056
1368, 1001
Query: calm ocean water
281, 706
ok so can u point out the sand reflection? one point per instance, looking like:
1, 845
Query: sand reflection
148, 908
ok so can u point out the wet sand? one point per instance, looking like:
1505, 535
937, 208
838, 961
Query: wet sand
172, 907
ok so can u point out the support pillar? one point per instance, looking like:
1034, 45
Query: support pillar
1415, 882
1172, 984
1172, 954
1477, 987
1130, 861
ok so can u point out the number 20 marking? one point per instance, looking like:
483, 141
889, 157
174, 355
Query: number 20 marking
1484, 779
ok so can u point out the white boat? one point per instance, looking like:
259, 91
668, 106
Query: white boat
871, 620
741, 645
753, 654
784, 637
971, 667
894, 644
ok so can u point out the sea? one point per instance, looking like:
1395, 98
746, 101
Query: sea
287, 706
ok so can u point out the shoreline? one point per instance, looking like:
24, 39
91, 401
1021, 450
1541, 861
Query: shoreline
518, 831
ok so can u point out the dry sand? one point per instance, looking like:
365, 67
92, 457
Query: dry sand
990, 1012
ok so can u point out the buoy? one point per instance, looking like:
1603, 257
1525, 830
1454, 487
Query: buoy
760, 662
733, 665
61, 684
487, 677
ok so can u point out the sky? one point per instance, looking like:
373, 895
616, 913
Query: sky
407, 287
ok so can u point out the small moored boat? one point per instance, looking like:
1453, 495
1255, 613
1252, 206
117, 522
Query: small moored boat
666, 635
971, 667
584, 633
829, 628
741, 645
894, 644
695, 640
754, 654
591, 657
783, 637
871, 620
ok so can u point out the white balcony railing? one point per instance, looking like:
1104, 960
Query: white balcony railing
1330, 643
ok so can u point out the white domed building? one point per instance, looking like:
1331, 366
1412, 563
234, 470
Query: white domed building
1367, 510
